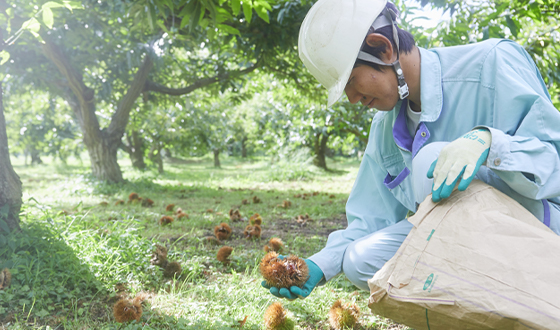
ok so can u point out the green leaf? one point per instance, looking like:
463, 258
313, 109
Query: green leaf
204, 23
151, 16
43, 313
51, 4
512, 26
184, 22
4, 226
211, 7
263, 13
222, 15
36, 35
195, 16
48, 17
247, 10
265, 5
72, 5
5, 57
32, 25
211, 33
235, 7
228, 29
162, 26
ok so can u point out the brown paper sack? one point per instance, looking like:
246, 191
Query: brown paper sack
477, 260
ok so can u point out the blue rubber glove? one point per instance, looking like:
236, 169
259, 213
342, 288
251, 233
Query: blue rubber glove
460, 159
315, 276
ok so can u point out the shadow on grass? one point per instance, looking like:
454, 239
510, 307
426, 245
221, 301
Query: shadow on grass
48, 280
157, 320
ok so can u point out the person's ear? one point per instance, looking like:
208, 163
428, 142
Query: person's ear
379, 40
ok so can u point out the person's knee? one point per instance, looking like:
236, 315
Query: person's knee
355, 265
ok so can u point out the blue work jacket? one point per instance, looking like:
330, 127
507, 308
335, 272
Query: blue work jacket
493, 84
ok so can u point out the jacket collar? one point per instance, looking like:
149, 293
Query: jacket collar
431, 93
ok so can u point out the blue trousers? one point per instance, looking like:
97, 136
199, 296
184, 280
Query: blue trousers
365, 256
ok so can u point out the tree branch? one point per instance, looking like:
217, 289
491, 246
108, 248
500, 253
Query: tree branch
83, 94
155, 87
120, 117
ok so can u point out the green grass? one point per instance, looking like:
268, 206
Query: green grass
73, 253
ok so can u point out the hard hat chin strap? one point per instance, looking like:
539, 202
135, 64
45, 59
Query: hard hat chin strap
388, 18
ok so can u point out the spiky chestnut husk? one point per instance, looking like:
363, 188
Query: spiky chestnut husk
165, 220
126, 310
103, 204
244, 202
172, 269
222, 231
119, 202
275, 244
179, 210
146, 202
133, 196
170, 207
159, 256
182, 215
255, 219
5, 278
252, 231
291, 271
286, 204
224, 253
276, 318
246, 231
343, 316
234, 215
256, 200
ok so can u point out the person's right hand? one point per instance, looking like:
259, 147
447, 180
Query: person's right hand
315, 276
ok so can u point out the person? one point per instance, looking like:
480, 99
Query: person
445, 117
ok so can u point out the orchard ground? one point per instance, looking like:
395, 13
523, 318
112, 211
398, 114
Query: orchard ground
76, 256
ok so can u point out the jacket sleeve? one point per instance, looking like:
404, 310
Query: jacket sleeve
526, 135
370, 207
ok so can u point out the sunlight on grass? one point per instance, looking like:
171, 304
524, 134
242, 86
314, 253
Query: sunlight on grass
76, 254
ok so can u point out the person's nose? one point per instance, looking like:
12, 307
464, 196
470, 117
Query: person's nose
353, 95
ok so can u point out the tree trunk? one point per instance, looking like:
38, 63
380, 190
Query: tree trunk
244, 147
217, 157
320, 150
102, 144
135, 150
10, 184
35, 156
155, 155
103, 157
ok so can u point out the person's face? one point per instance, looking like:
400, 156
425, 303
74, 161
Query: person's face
375, 89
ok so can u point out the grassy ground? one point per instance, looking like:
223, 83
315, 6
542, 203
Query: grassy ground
76, 257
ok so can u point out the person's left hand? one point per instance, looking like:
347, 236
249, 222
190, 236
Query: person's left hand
315, 276
460, 158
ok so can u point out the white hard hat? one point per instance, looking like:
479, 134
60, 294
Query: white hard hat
330, 39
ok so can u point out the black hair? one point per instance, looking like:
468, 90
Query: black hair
406, 41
